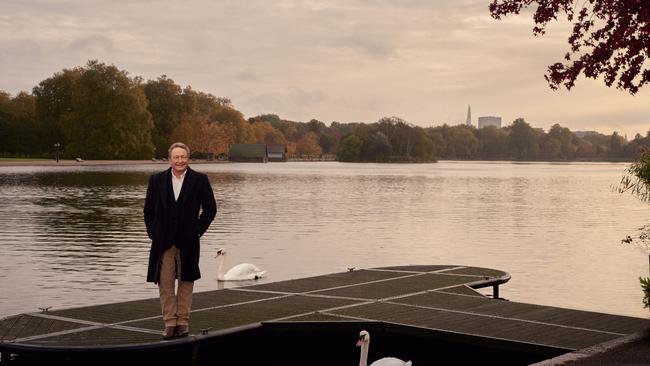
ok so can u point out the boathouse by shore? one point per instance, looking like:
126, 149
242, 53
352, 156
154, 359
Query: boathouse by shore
248, 153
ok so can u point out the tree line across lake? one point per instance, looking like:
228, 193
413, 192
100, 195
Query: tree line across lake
97, 111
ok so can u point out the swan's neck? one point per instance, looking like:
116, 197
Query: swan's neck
363, 360
220, 263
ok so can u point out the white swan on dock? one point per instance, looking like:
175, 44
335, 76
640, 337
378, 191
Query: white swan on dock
240, 272
364, 343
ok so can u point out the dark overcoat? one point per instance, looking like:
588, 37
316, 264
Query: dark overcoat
197, 208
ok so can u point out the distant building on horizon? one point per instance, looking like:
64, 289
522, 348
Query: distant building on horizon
468, 122
489, 121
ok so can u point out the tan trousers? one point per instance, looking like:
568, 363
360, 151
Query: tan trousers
175, 305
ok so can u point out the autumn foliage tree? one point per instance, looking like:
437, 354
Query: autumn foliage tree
265, 133
202, 136
610, 39
308, 145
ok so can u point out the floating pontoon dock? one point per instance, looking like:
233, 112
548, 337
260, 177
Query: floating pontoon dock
421, 312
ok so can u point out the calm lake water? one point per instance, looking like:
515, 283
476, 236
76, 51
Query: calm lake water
72, 236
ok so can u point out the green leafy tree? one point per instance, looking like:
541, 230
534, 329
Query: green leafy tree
343, 129
316, 126
350, 148
565, 139
616, 143
637, 181
522, 140
100, 111
329, 143
493, 142
400, 135
226, 114
20, 132
460, 141
206, 104
270, 118
552, 148
54, 102
5, 124
376, 148
422, 147
636, 147
166, 107
438, 140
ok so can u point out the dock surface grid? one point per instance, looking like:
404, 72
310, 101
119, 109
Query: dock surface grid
439, 298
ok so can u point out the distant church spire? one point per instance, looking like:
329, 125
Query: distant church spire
469, 115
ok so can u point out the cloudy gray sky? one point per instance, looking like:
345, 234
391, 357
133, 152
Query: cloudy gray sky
348, 60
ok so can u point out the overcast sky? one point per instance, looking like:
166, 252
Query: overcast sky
345, 61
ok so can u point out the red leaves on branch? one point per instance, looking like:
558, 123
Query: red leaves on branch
610, 39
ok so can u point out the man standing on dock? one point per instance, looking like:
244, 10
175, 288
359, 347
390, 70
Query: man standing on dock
171, 214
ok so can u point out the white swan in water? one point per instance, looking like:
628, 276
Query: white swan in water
364, 343
240, 272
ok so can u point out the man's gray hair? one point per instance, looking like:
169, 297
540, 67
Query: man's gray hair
178, 144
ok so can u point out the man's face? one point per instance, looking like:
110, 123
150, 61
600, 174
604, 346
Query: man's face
178, 160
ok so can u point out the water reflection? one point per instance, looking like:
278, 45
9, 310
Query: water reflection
74, 237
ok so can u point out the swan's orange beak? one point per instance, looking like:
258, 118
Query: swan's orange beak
360, 342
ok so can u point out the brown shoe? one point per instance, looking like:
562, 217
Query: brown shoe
168, 333
182, 331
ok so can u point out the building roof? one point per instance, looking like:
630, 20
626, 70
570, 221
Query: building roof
248, 150
273, 148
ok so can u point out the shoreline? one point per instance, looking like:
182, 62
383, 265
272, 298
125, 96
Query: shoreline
68, 162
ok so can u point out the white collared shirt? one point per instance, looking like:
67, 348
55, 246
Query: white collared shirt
177, 184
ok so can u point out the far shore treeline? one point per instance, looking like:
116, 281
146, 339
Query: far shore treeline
97, 111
